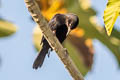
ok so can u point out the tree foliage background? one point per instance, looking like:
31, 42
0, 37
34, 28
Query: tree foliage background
80, 43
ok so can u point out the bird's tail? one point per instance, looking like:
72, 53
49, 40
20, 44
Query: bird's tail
41, 56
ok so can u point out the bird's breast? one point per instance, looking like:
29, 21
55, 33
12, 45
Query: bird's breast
61, 33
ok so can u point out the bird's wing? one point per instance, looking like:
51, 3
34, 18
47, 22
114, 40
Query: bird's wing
54, 23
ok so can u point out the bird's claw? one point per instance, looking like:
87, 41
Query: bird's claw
49, 52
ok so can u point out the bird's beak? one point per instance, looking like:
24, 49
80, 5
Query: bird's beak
68, 31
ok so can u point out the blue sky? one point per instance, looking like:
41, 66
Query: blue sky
18, 53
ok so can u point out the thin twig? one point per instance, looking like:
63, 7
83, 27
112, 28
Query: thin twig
53, 41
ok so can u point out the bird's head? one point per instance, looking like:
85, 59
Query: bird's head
72, 21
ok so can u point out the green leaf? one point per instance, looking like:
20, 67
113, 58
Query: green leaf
6, 28
79, 53
111, 13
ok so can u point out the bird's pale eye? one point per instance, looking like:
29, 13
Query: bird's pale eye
69, 22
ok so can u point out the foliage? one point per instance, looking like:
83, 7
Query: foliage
111, 13
79, 43
94, 31
6, 28
83, 63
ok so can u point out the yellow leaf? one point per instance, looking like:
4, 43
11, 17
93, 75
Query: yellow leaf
111, 13
78, 32
51, 7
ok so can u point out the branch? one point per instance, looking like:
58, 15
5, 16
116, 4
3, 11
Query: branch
52, 40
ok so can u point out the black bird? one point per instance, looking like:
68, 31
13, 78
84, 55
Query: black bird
61, 25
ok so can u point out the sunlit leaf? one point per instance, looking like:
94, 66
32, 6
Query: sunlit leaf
6, 28
52, 7
37, 36
111, 13
85, 4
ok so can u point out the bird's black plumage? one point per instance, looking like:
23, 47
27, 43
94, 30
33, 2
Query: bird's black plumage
61, 25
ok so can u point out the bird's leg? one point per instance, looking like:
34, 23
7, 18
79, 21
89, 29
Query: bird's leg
49, 52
